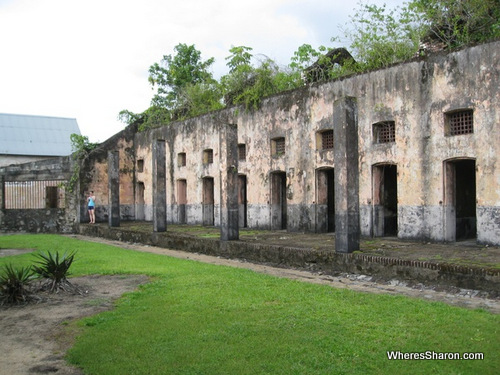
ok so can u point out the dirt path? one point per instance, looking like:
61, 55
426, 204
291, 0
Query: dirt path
34, 338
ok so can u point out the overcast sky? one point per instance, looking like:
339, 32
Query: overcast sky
89, 59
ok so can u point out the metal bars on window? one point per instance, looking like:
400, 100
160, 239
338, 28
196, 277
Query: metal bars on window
327, 140
384, 132
278, 146
33, 195
242, 152
460, 122
208, 156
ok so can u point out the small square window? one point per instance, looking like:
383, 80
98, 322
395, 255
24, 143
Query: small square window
384, 132
140, 165
327, 140
459, 122
208, 156
181, 159
278, 146
242, 152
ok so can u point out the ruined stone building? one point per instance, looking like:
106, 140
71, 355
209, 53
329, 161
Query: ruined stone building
409, 151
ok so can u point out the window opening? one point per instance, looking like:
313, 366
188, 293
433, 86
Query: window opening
181, 159
140, 165
208, 156
242, 152
278, 146
384, 132
327, 140
459, 122
34, 194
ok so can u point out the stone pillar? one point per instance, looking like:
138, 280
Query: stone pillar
159, 186
229, 212
114, 188
345, 127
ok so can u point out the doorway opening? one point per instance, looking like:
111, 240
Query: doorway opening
385, 200
51, 197
208, 201
325, 200
139, 205
460, 199
278, 201
181, 201
242, 200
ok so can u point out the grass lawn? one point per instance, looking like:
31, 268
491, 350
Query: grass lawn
197, 318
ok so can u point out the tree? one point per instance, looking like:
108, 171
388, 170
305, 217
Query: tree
378, 37
458, 23
240, 58
246, 84
381, 37
174, 74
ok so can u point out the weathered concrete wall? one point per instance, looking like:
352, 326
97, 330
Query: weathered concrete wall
415, 96
50, 220
6, 160
94, 177
39, 220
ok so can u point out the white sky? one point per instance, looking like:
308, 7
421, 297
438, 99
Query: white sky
89, 59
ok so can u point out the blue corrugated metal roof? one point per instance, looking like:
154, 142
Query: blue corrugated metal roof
36, 135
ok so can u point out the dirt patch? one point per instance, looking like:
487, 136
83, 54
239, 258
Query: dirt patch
35, 337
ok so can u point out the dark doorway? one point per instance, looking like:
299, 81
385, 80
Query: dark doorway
278, 201
325, 200
385, 200
460, 199
181, 201
51, 197
242, 200
139, 210
208, 201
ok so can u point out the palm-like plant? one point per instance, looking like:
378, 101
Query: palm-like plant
14, 284
55, 269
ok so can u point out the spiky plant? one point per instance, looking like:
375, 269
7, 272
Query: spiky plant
54, 269
14, 284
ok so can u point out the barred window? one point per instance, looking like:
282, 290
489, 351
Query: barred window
181, 159
278, 146
242, 152
459, 122
384, 132
208, 156
327, 140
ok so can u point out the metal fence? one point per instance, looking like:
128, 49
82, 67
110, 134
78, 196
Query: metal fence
34, 194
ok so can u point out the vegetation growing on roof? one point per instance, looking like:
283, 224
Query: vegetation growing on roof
378, 37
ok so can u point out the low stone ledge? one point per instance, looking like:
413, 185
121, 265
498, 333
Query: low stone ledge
379, 267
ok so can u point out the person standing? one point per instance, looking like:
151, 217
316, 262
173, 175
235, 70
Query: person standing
91, 206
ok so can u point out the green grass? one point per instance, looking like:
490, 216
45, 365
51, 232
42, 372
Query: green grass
196, 318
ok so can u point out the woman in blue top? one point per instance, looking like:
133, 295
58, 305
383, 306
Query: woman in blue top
91, 207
